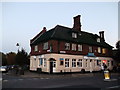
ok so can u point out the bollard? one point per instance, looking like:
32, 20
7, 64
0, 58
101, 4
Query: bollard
106, 75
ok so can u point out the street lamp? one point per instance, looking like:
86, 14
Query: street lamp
18, 46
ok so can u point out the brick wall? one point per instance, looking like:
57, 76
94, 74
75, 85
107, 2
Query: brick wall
58, 46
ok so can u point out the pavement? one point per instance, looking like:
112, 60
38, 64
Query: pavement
46, 75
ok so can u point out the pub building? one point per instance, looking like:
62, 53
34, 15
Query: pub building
64, 49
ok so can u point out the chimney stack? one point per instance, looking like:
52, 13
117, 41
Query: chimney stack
102, 35
43, 31
77, 23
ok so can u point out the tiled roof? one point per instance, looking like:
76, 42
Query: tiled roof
62, 33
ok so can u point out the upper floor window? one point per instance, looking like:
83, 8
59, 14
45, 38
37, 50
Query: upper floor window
103, 50
36, 48
45, 46
74, 47
99, 50
79, 47
67, 46
74, 35
90, 48
98, 39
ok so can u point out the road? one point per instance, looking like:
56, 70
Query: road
95, 80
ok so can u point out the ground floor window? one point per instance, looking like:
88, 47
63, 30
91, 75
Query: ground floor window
98, 62
34, 61
45, 62
112, 63
79, 63
108, 63
61, 61
67, 62
54, 63
86, 64
73, 62
40, 61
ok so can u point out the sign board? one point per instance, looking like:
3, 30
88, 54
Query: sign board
86, 57
62, 51
61, 59
91, 55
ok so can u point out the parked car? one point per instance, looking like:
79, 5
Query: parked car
3, 69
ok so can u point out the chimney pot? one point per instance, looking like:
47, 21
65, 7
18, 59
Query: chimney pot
44, 30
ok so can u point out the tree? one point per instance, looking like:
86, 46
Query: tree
117, 54
118, 45
22, 57
4, 59
11, 58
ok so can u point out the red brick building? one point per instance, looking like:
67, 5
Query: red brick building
64, 49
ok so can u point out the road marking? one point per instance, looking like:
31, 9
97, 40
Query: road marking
41, 78
5, 80
35, 78
114, 87
47, 78
20, 79
110, 79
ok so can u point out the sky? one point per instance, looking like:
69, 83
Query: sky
21, 21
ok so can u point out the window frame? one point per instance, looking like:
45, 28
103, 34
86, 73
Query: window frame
98, 39
45, 46
36, 48
90, 49
54, 64
67, 62
40, 61
74, 63
99, 49
80, 63
80, 47
45, 62
98, 62
67, 46
74, 48
74, 35
103, 50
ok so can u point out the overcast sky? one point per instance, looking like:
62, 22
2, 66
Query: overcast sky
21, 21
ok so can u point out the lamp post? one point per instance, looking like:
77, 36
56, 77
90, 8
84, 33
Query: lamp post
18, 46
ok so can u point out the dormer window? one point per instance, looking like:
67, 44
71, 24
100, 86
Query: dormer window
98, 39
36, 48
74, 35
45, 46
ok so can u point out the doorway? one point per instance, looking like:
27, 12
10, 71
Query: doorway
52, 65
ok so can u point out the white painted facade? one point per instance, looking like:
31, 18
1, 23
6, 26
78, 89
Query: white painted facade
88, 63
